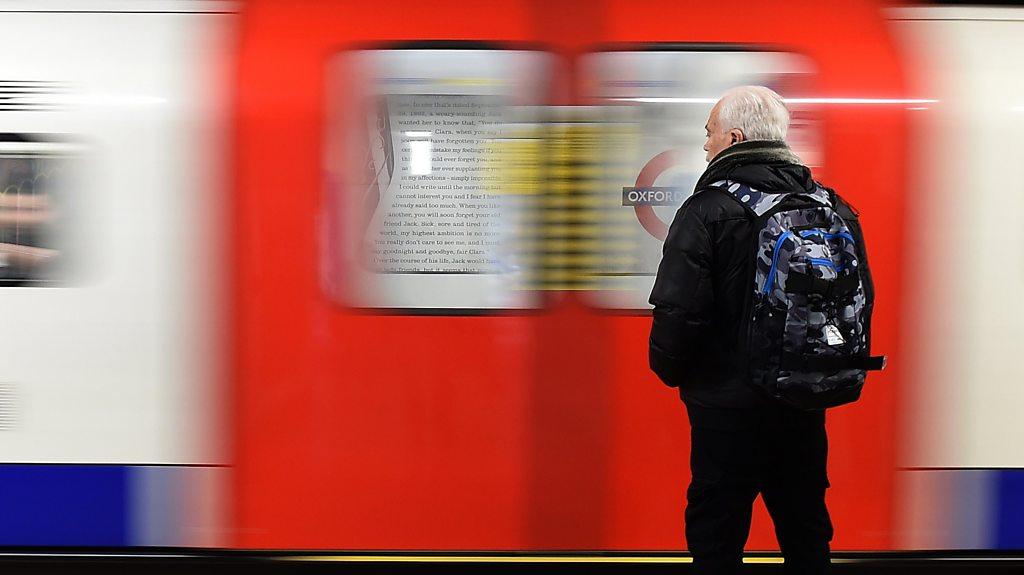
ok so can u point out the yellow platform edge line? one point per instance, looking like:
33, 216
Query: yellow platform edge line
487, 559
516, 559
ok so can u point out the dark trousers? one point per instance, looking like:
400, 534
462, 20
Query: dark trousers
736, 454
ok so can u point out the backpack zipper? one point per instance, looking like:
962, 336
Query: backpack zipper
766, 289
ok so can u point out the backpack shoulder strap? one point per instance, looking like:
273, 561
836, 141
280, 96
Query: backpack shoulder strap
756, 203
822, 195
844, 209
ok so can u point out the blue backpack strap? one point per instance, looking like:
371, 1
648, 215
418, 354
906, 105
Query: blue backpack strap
756, 202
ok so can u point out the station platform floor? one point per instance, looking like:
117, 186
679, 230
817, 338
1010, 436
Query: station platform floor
168, 561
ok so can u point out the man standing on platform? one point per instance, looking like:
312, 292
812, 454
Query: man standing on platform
743, 442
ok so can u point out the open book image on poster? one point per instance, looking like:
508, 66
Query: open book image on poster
431, 223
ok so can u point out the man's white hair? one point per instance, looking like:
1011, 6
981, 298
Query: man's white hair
757, 111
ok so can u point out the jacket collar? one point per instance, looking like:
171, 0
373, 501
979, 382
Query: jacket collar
760, 151
749, 152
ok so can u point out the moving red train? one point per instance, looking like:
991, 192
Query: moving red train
539, 430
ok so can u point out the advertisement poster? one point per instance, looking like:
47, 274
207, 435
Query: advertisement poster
431, 219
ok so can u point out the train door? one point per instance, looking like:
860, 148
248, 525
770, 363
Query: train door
383, 354
855, 98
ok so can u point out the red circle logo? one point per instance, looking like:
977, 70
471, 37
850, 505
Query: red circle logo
650, 172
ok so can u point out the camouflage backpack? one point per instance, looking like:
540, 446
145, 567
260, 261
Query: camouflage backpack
808, 337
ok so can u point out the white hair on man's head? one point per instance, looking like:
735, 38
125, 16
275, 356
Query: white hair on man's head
758, 111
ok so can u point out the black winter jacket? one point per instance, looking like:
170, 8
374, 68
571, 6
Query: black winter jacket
707, 272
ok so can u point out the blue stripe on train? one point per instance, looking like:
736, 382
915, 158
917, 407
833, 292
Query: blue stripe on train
1009, 509
105, 505
63, 505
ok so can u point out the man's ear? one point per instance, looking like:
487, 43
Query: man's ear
736, 136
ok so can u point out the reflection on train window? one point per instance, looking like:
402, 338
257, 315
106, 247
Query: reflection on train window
34, 175
417, 158
653, 105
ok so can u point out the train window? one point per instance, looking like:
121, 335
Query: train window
424, 213
34, 175
653, 105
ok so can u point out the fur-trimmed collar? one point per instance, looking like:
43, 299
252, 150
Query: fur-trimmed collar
767, 150
736, 160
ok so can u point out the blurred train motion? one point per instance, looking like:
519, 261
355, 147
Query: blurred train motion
340, 275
